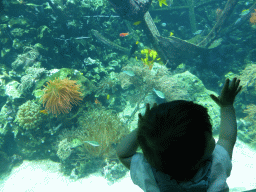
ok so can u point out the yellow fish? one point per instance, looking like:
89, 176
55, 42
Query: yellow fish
44, 112
137, 23
108, 96
171, 34
161, 2
245, 12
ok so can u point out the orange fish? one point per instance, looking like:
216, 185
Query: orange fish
124, 34
97, 101
44, 112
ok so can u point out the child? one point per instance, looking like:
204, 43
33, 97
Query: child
179, 151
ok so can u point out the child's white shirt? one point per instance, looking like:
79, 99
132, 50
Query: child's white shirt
142, 175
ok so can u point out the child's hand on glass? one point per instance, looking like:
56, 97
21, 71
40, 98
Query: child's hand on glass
228, 93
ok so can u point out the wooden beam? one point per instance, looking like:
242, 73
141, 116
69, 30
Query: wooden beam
192, 17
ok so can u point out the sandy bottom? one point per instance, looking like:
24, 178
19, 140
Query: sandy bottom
243, 174
44, 176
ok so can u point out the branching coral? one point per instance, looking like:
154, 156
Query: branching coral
60, 95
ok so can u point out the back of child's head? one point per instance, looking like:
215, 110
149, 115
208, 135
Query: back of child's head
173, 138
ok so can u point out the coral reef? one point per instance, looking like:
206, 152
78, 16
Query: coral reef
11, 90
7, 116
91, 146
113, 170
247, 132
29, 116
60, 95
172, 87
107, 85
4, 162
55, 42
248, 77
26, 59
139, 89
145, 79
64, 149
248, 81
29, 80
105, 128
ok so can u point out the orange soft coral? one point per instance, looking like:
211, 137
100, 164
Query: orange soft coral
253, 17
60, 95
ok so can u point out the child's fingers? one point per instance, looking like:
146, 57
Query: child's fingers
238, 90
225, 87
214, 98
233, 83
237, 83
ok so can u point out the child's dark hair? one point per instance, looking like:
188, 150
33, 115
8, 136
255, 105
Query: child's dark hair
173, 138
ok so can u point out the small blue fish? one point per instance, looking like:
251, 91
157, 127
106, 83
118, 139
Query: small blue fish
130, 73
163, 24
198, 32
238, 20
93, 143
159, 93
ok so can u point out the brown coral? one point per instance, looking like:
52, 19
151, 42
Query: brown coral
60, 95
101, 126
253, 17
248, 82
251, 131
29, 116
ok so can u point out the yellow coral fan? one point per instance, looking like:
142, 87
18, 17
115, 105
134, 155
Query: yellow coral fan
161, 2
60, 95
149, 54
153, 54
